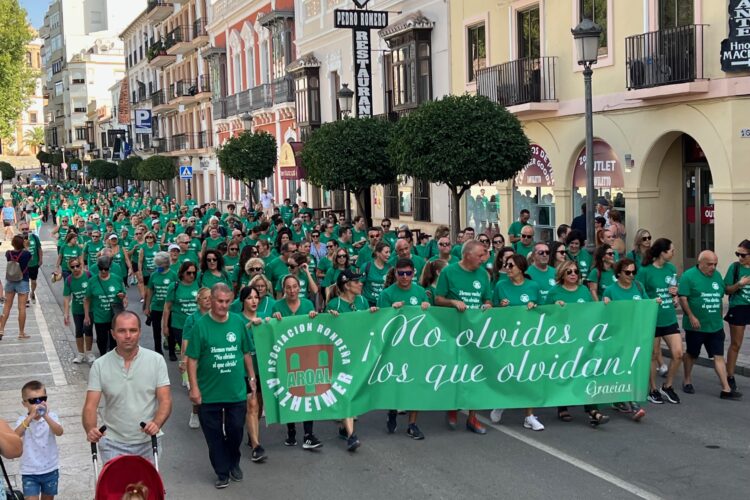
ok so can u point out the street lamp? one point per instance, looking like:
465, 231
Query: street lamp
247, 120
345, 96
586, 38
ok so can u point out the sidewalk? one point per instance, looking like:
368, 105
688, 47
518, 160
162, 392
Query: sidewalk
46, 357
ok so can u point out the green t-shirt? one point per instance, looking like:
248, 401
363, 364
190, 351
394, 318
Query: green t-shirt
515, 228
276, 269
340, 305
742, 296
187, 330
148, 258
189, 256
102, 294
69, 252
183, 300
414, 296
214, 242
208, 279
522, 249
374, 281
304, 283
471, 287
418, 261
704, 295
607, 279
584, 261
35, 246
76, 289
517, 295
90, 252
281, 306
230, 263
617, 292
545, 280
220, 349
656, 282
160, 284
581, 294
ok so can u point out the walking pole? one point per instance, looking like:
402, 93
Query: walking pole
95, 455
154, 448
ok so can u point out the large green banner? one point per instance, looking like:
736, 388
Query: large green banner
439, 359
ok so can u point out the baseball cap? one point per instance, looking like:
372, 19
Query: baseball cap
173, 246
603, 202
346, 276
112, 237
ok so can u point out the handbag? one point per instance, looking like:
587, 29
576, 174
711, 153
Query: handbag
10, 494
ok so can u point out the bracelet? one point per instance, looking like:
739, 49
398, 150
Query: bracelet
25, 425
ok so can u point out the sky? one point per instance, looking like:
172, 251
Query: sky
36, 10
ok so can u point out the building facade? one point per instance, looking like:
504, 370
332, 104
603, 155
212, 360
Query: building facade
32, 117
668, 120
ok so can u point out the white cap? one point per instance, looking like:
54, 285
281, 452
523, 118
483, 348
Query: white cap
113, 237
173, 246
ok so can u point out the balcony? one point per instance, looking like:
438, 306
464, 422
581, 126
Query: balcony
244, 101
162, 144
180, 142
178, 40
231, 105
159, 10
161, 102
183, 92
200, 35
157, 55
524, 85
203, 92
261, 97
202, 140
219, 109
671, 57
283, 91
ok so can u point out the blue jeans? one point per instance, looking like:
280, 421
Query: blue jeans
35, 485
223, 444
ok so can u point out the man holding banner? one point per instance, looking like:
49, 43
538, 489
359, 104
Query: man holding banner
465, 285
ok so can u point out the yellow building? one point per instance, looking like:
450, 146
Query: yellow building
671, 127
24, 142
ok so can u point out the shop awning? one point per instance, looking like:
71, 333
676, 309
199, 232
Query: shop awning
290, 161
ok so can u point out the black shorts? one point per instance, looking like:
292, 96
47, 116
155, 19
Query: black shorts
135, 266
33, 272
7, 222
145, 279
663, 331
713, 342
738, 316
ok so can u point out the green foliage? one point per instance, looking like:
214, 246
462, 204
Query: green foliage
460, 141
128, 168
9, 173
157, 168
100, 169
249, 157
43, 157
16, 79
34, 137
349, 154
56, 159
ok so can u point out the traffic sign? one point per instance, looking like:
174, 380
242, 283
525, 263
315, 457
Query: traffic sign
64, 166
74, 166
186, 172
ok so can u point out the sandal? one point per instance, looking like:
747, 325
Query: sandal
597, 418
564, 415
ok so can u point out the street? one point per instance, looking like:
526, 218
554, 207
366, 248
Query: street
697, 449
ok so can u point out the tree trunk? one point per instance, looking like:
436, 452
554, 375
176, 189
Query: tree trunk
347, 206
455, 212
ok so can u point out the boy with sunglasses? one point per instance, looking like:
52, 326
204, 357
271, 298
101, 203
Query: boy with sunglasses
38, 429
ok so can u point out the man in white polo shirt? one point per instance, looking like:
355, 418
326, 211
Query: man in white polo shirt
135, 386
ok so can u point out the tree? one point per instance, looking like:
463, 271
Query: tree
128, 167
101, 169
460, 141
157, 168
352, 155
33, 138
43, 157
16, 78
8, 172
248, 158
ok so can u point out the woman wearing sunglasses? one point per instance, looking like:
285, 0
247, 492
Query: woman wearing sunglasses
602, 274
641, 245
518, 290
570, 290
627, 288
737, 286
212, 270
340, 263
203, 300
178, 305
375, 272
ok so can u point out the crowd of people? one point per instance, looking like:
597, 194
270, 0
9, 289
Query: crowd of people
205, 277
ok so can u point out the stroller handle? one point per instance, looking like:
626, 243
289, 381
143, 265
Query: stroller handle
154, 442
94, 451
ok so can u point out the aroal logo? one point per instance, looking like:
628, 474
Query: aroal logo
231, 337
552, 282
194, 293
84, 285
524, 298
580, 301
307, 367
614, 279
636, 297
413, 301
477, 285
111, 288
166, 281
715, 285
668, 279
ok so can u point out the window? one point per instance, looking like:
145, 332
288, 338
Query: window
675, 13
250, 64
390, 196
529, 37
307, 99
54, 20
28, 58
408, 72
81, 133
421, 200
596, 10
57, 66
58, 88
477, 56
237, 71
32, 117
264, 78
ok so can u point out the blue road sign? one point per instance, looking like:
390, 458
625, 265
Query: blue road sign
186, 172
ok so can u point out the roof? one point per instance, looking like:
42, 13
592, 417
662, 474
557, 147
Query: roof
305, 61
414, 21
275, 15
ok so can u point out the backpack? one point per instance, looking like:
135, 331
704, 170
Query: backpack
13, 271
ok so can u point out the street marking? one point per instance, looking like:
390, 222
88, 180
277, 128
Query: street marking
575, 462
26, 375
24, 364
58, 375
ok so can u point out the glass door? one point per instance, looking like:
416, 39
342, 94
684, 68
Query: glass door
699, 212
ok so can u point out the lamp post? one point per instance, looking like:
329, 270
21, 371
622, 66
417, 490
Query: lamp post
345, 95
586, 37
247, 120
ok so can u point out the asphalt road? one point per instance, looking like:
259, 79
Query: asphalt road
698, 449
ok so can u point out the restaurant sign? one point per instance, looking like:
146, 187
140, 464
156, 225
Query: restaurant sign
735, 49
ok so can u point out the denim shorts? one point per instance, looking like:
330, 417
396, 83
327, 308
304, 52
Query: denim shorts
17, 286
35, 485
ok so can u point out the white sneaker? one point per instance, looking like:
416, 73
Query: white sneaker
531, 422
78, 359
496, 416
90, 357
663, 370
194, 423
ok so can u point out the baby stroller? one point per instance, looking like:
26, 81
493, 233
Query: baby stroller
125, 470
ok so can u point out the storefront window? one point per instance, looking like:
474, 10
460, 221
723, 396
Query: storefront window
533, 192
482, 207
608, 178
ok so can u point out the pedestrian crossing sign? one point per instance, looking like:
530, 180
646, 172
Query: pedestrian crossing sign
186, 172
